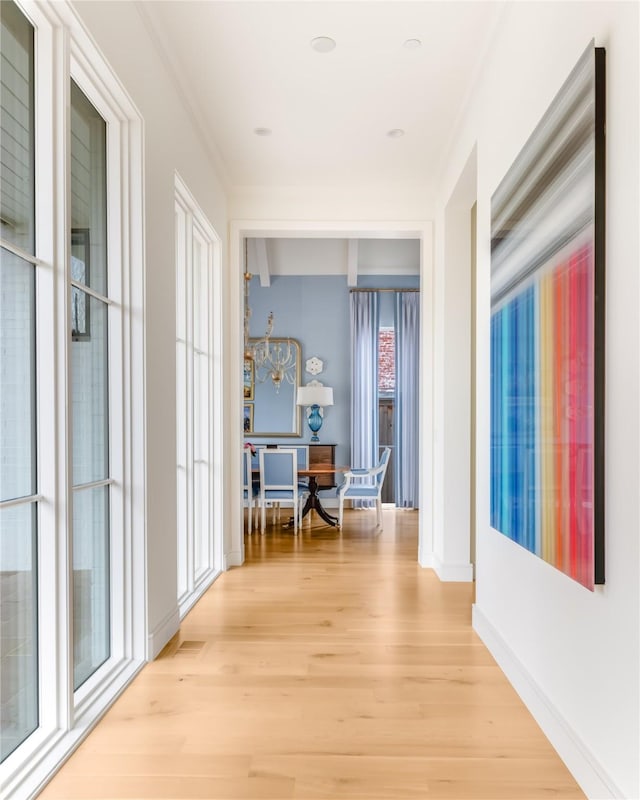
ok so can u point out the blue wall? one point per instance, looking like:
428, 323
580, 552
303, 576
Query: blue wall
315, 311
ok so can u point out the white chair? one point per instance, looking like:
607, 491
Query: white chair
303, 463
250, 490
365, 484
279, 482
302, 451
255, 464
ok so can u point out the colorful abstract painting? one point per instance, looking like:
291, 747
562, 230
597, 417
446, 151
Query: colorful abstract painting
547, 334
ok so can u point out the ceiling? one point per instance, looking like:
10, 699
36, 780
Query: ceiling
248, 65
330, 256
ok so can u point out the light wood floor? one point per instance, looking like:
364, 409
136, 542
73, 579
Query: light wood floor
329, 666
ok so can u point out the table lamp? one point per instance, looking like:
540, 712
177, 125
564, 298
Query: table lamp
315, 398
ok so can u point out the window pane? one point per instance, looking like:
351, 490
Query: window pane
88, 194
182, 470
19, 626
386, 361
91, 584
17, 377
89, 390
16, 128
201, 407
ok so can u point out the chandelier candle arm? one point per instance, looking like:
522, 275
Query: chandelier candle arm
271, 359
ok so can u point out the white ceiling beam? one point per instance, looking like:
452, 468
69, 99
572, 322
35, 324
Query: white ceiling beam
262, 262
352, 262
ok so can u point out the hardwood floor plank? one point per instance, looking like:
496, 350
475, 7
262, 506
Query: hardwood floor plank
162, 787
402, 777
329, 666
175, 763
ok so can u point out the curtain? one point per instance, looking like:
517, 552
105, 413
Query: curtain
364, 316
406, 438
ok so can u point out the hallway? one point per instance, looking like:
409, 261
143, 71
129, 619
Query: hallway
329, 666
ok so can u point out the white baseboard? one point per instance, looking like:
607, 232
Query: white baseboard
454, 573
232, 559
161, 634
589, 774
426, 560
187, 602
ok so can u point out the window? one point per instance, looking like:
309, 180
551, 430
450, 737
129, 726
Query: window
197, 257
386, 362
89, 388
18, 424
71, 399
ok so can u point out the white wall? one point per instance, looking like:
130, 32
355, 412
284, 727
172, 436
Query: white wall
451, 556
171, 143
573, 654
332, 203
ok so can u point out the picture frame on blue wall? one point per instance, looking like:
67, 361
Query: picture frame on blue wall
247, 418
248, 379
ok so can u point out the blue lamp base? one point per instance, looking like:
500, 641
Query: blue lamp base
315, 421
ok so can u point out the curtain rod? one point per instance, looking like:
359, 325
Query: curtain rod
383, 290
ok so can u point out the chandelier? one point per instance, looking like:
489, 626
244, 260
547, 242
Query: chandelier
271, 359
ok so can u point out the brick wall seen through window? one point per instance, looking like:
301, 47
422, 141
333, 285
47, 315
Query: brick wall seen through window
386, 361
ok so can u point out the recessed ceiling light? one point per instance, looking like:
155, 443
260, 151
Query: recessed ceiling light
262, 131
323, 44
412, 44
395, 133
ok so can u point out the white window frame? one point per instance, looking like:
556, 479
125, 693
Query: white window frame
64, 51
191, 224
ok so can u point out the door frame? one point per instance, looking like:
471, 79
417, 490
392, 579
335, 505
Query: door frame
316, 229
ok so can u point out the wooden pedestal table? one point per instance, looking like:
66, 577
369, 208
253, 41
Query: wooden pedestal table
313, 501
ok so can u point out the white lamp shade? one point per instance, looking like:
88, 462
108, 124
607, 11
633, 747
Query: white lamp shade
314, 395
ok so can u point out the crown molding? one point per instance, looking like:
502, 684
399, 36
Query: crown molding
165, 49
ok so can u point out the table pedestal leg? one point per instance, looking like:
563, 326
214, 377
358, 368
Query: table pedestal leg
313, 501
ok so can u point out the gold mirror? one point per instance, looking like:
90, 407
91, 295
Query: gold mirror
270, 409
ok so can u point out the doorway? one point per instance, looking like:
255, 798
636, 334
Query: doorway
347, 232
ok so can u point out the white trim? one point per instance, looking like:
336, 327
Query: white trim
205, 582
184, 91
23, 254
99, 687
262, 261
21, 501
426, 558
79, 487
91, 292
336, 229
88, 76
352, 262
426, 434
165, 630
460, 573
580, 761
233, 559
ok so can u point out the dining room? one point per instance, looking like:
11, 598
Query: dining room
303, 360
